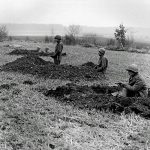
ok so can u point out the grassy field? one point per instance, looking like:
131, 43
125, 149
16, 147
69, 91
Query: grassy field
31, 121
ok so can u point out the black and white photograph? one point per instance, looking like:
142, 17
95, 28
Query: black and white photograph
75, 74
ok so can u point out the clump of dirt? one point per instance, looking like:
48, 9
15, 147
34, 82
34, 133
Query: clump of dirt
7, 86
89, 64
104, 89
28, 82
101, 98
68, 89
37, 66
31, 52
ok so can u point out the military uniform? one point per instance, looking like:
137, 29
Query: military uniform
136, 87
58, 52
102, 64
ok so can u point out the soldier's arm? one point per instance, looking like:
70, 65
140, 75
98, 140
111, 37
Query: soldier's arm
103, 65
137, 86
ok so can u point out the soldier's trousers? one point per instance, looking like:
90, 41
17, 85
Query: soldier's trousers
57, 59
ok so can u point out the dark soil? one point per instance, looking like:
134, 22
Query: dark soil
7, 86
89, 97
37, 66
31, 52
28, 82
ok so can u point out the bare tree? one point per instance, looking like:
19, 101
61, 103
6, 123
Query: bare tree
3, 32
74, 30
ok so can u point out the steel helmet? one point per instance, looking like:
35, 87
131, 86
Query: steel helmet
101, 51
133, 68
58, 37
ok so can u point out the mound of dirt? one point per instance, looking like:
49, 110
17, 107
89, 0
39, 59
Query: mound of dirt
31, 52
88, 64
24, 64
87, 97
37, 66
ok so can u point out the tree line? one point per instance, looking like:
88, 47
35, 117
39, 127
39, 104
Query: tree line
73, 37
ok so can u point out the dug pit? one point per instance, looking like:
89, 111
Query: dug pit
98, 97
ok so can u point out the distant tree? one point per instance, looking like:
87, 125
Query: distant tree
46, 39
52, 32
120, 35
111, 42
69, 40
73, 32
3, 32
27, 38
90, 38
10, 38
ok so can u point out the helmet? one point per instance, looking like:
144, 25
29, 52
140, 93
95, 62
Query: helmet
58, 37
132, 68
101, 51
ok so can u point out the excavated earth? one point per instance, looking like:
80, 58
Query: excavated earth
33, 64
90, 97
100, 97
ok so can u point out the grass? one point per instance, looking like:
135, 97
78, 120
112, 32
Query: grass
31, 121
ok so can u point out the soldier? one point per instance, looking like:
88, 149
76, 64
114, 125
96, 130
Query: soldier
58, 50
38, 49
136, 86
102, 62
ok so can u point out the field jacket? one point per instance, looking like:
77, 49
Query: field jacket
58, 49
137, 85
102, 64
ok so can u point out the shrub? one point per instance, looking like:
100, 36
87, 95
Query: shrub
3, 33
69, 40
46, 39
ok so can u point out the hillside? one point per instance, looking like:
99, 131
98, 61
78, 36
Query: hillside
32, 120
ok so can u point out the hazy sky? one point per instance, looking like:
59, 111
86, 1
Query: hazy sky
82, 12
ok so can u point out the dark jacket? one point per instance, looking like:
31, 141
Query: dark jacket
138, 86
58, 49
102, 64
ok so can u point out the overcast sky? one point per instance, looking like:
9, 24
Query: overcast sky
80, 12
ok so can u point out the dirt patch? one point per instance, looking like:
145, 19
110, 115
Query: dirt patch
7, 86
37, 66
28, 82
31, 52
101, 98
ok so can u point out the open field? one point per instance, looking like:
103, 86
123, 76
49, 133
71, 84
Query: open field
31, 121
76, 55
